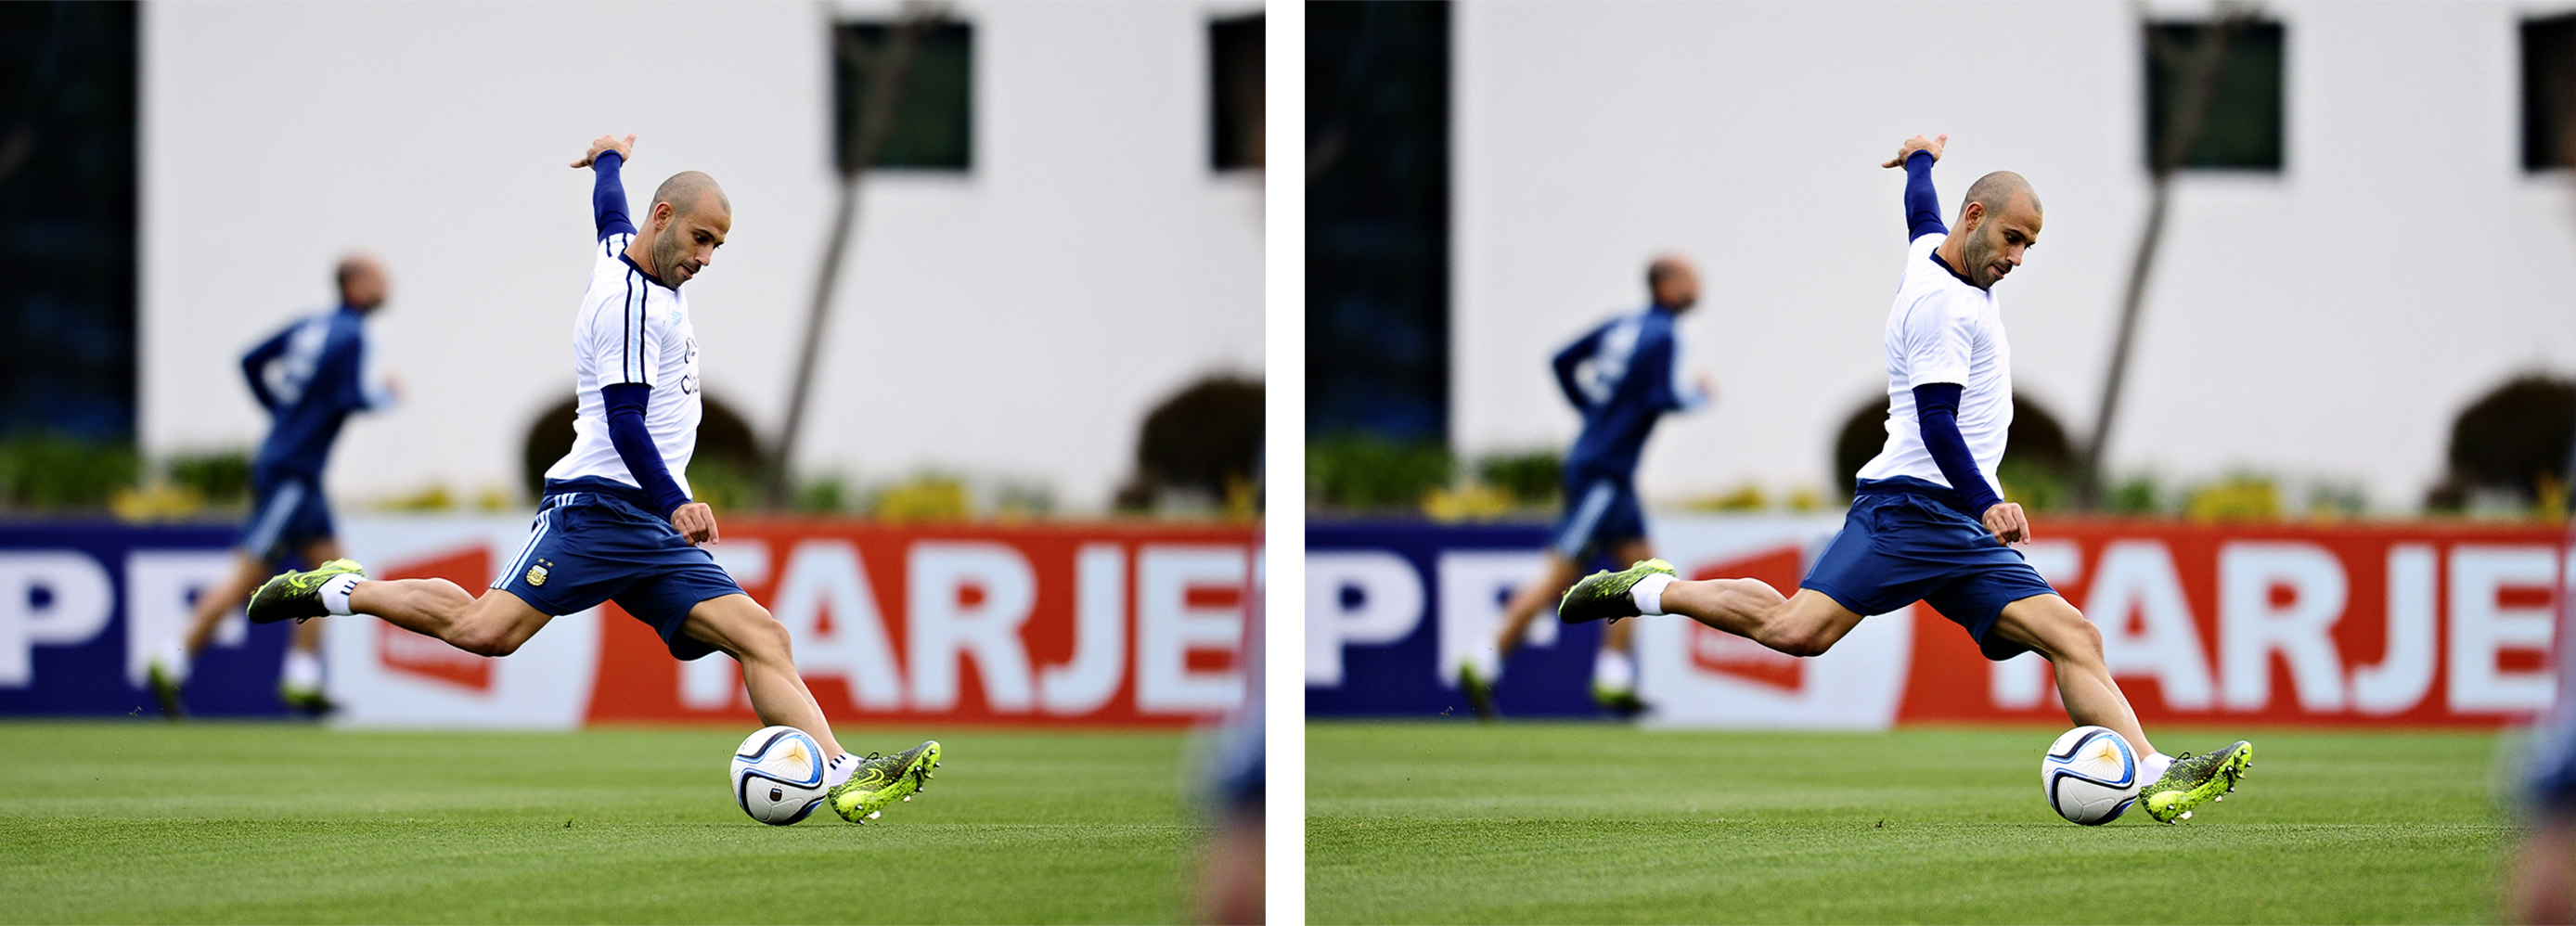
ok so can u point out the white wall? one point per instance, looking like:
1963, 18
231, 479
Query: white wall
2325, 322
1016, 320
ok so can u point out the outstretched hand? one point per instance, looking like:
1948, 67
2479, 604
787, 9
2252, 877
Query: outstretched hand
2007, 523
696, 522
1917, 143
625, 149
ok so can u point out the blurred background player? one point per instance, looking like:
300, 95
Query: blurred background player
1622, 376
617, 522
1926, 524
309, 377
2541, 886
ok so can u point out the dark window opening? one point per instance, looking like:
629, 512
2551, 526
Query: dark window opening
67, 220
2548, 92
1235, 100
933, 124
2241, 129
1377, 221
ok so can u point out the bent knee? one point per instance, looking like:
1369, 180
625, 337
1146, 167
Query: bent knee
2062, 630
485, 639
1800, 642
767, 637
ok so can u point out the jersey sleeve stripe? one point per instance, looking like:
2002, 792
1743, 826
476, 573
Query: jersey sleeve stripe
626, 334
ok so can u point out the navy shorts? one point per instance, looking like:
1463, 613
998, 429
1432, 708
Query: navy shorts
287, 512
589, 547
1897, 548
1599, 513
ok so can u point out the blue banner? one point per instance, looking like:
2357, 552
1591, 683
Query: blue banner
1391, 605
82, 604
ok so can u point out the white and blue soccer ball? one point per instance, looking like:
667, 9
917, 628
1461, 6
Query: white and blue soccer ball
2090, 775
778, 775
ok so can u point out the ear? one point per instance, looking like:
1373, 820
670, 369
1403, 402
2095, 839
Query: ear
661, 214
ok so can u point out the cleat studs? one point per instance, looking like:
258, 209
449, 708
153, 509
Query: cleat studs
873, 814
2186, 815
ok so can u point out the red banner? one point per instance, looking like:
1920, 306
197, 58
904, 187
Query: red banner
1103, 624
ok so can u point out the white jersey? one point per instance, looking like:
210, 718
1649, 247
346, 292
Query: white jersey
631, 330
1943, 330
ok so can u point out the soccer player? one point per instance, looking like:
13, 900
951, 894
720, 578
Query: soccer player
309, 377
1623, 377
1925, 524
617, 522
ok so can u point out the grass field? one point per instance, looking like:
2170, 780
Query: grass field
143, 822
1519, 822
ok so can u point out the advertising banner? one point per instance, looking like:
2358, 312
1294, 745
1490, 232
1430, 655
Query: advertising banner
1106, 624
1391, 606
83, 605
2441, 624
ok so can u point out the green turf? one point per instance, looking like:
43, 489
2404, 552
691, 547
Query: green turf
1515, 822
143, 822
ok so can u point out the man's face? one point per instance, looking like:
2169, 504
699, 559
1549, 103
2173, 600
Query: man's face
1999, 241
688, 241
1679, 288
366, 289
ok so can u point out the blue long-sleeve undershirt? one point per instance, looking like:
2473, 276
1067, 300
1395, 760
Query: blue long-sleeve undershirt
1936, 411
608, 196
634, 445
1922, 205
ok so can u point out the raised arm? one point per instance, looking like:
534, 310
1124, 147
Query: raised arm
1922, 205
607, 193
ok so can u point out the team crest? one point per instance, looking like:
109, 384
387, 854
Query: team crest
537, 573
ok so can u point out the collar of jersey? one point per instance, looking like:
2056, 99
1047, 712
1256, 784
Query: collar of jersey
657, 281
1936, 258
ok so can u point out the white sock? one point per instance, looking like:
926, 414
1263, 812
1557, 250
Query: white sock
1649, 593
335, 593
1613, 670
2153, 767
174, 661
303, 671
1487, 660
839, 770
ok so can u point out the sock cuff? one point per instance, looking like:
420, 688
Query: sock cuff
335, 593
1648, 593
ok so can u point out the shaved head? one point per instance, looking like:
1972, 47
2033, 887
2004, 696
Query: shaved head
683, 227
1672, 281
1997, 192
361, 280
687, 191
1998, 223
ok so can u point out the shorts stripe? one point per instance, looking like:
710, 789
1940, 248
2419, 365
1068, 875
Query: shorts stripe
518, 564
281, 505
1587, 518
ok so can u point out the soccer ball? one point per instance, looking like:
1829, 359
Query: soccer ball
2090, 775
778, 775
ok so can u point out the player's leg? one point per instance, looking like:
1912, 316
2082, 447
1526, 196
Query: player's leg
495, 624
1526, 604
1614, 665
1805, 624
2048, 625
2053, 628
168, 670
299, 681
1482, 669
737, 626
